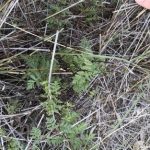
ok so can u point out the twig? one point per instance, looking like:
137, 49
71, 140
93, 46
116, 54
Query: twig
52, 61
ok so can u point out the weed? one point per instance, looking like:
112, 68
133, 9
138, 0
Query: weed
91, 11
60, 116
83, 66
14, 145
13, 106
60, 20
38, 65
71, 108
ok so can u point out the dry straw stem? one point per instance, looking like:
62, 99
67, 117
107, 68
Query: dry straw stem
52, 62
10, 7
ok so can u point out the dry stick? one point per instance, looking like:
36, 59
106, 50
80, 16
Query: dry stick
4, 5
132, 121
2, 143
6, 36
52, 62
9, 9
69, 48
20, 114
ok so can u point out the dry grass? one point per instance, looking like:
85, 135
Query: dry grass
119, 112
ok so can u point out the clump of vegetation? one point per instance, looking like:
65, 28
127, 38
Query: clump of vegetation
94, 95
60, 20
88, 12
84, 66
60, 116
91, 10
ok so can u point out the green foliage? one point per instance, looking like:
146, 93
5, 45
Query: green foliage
73, 135
52, 106
36, 133
83, 66
61, 125
86, 45
60, 20
12, 106
60, 116
91, 10
14, 145
94, 10
35, 136
90, 14
11, 144
2, 132
82, 78
51, 123
56, 140
38, 69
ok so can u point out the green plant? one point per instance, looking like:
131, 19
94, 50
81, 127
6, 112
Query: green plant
83, 66
36, 137
91, 10
14, 145
2, 132
60, 116
38, 69
60, 20
13, 106
75, 137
